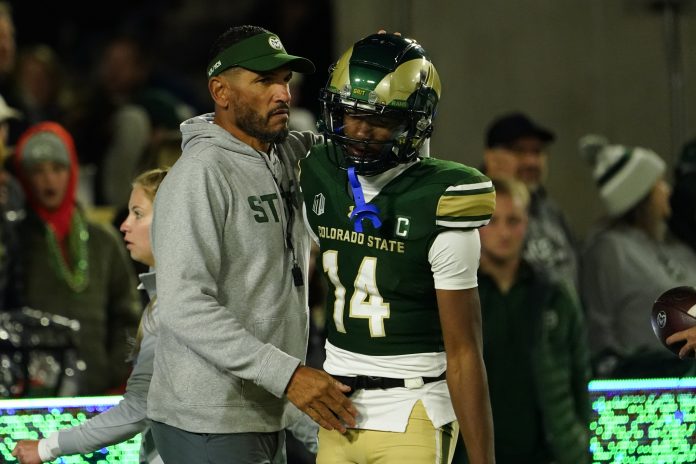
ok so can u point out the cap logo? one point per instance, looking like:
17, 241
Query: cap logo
275, 43
214, 67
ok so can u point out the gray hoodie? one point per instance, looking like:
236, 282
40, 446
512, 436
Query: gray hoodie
233, 326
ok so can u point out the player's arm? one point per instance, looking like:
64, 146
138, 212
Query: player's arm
454, 257
460, 317
689, 337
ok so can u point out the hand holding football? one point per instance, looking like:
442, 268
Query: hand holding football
674, 311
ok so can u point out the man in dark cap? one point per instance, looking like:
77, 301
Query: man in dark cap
232, 256
516, 148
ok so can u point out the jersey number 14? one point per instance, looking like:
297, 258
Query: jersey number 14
366, 302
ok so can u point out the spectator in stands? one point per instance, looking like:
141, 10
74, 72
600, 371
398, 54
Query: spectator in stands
73, 267
43, 85
534, 345
516, 146
118, 120
629, 261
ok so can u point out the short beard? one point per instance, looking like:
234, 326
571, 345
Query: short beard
255, 125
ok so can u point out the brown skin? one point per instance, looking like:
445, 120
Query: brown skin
460, 318
372, 128
255, 108
689, 336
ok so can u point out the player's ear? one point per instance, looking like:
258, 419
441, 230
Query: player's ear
220, 90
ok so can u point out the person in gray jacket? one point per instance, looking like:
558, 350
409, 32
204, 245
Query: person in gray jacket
629, 260
232, 255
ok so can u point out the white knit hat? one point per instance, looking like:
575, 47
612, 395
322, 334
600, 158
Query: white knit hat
624, 175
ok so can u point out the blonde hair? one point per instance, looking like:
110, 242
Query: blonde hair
149, 181
514, 188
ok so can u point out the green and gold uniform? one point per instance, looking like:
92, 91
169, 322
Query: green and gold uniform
382, 297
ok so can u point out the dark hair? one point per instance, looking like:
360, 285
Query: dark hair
232, 36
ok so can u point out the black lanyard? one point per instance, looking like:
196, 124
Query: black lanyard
286, 201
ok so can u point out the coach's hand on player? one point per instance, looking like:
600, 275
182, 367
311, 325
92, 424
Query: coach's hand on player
27, 452
322, 398
689, 337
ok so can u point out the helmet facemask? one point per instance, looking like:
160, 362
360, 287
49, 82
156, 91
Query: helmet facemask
399, 96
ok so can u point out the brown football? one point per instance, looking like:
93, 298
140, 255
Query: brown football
674, 311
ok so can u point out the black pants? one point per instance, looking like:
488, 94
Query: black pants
177, 446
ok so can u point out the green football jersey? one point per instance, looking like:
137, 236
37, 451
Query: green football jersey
381, 298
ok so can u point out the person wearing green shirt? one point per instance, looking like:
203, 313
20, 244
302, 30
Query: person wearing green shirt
534, 345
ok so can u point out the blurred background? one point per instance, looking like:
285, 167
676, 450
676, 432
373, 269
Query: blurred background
622, 68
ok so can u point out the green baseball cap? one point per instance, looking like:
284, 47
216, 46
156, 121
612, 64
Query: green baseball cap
261, 52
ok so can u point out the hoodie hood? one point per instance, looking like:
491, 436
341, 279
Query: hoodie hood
201, 130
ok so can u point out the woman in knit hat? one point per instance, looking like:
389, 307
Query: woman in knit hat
72, 267
629, 261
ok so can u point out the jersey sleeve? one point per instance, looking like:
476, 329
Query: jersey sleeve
454, 258
468, 204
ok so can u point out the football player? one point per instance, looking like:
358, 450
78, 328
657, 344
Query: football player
400, 250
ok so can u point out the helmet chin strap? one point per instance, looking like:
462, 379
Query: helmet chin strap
361, 210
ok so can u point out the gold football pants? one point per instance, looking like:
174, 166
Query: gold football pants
421, 443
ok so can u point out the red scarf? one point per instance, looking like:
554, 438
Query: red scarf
58, 220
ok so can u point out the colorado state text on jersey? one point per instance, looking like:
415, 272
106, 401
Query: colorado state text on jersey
334, 233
